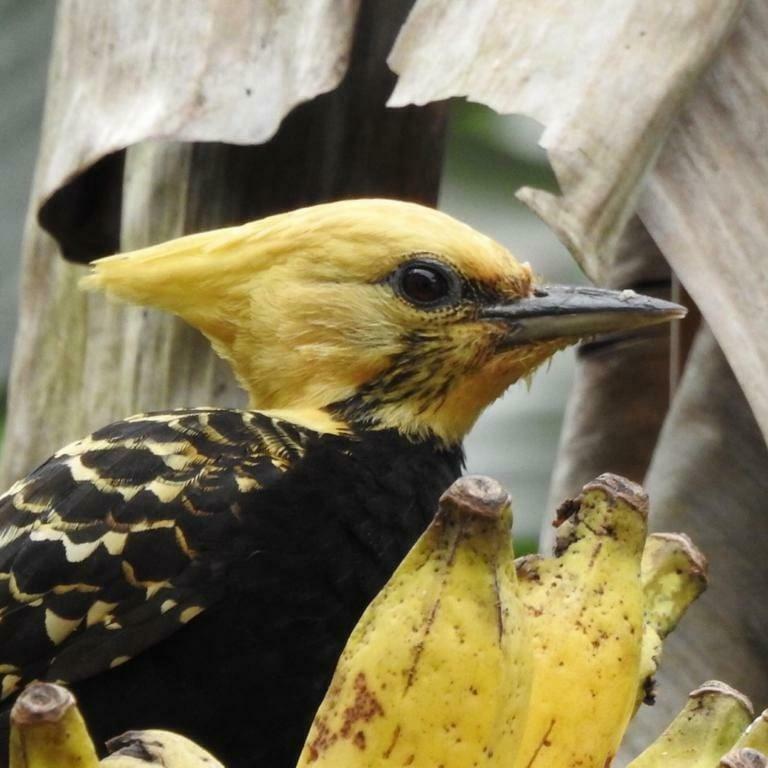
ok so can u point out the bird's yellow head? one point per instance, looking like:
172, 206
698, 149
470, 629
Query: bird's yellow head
381, 312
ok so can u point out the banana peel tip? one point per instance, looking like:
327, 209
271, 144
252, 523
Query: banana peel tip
617, 487
41, 703
475, 496
723, 689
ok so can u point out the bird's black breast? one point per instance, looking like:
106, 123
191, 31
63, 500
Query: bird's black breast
245, 677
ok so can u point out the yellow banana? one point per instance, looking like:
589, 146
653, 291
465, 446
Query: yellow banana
585, 616
745, 757
437, 671
706, 728
47, 730
756, 735
145, 749
673, 575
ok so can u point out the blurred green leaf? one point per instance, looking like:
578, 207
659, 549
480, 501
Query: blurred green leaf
526, 545
502, 147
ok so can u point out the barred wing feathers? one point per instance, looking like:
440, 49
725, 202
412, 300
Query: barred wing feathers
122, 537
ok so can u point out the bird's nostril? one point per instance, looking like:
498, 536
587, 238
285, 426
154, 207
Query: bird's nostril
540, 293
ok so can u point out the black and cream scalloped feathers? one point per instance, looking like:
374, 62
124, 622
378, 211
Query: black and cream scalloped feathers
121, 537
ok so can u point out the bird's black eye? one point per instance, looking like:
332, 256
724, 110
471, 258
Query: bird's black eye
427, 284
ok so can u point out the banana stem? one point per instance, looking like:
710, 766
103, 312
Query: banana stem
47, 730
744, 758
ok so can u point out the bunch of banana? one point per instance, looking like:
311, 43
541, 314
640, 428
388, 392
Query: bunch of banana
438, 670
47, 731
399, 695
712, 729
470, 658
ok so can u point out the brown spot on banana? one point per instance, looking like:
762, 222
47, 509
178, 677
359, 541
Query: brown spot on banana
542, 744
419, 647
393, 743
364, 708
322, 741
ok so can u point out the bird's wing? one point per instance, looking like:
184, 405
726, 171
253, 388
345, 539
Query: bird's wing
120, 538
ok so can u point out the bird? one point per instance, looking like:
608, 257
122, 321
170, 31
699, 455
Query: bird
200, 569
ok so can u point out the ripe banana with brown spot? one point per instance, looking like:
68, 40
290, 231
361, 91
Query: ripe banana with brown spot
437, 672
673, 575
47, 730
706, 728
585, 615
164, 749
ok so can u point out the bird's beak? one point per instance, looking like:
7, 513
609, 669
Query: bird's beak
566, 312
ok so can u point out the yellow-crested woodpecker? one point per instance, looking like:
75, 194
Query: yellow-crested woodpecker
200, 570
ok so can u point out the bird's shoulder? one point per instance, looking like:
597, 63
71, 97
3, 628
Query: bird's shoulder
140, 471
121, 537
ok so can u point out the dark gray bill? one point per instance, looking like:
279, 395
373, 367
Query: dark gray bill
564, 311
